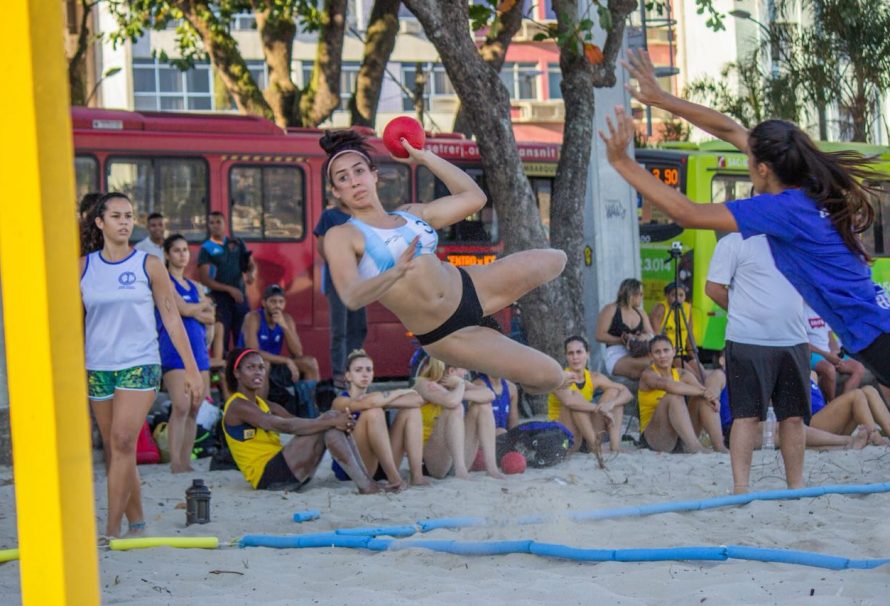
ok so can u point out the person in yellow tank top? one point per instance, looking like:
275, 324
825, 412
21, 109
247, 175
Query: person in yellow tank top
664, 322
592, 404
252, 427
446, 427
665, 415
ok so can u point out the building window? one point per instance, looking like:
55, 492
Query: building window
549, 13
348, 78
554, 79
174, 187
521, 80
267, 202
244, 22
157, 86
437, 84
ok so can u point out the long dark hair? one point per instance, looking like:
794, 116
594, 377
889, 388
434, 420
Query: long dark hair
91, 238
627, 288
168, 244
835, 180
335, 141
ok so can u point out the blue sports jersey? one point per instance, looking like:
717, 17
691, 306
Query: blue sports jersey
811, 254
270, 340
501, 404
817, 400
170, 359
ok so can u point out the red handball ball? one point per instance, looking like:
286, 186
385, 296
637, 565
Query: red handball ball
403, 127
513, 462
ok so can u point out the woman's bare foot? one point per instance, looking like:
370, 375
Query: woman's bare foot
463, 475
421, 481
181, 468
859, 438
395, 486
136, 529
369, 488
876, 439
497, 475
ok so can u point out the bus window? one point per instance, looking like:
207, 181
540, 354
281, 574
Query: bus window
86, 175
176, 188
731, 187
480, 227
876, 239
393, 185
267, 202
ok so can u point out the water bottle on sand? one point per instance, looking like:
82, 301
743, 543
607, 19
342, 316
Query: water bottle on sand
769, 429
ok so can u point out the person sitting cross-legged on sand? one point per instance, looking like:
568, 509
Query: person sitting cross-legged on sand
592, 404
252, 427
665, 415
505, 405
445, 446
378, 444
619, 325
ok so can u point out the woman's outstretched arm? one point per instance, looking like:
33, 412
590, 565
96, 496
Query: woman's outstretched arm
678, 207
649, 92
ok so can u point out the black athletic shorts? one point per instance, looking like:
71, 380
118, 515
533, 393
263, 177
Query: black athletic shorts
758, 374
278, 476
876, 358
468, 313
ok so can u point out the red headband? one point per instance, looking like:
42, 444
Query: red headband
241, 356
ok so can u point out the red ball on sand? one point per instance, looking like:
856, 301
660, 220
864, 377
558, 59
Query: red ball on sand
478, 462
513, 462
403, 127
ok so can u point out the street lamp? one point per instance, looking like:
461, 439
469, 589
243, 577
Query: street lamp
744, 15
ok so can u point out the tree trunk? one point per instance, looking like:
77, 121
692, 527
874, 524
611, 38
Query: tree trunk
579, 78
479, 87
322, 96
225, 58
383, 27
493, 51
77, 65
277, 33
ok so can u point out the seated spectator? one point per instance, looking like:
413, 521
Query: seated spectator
267, 330
253, 426
592, 404
445, 430
665, 414
377, 444
862, 407
620, 324
505, 404
216, 349
664, 321
827, 359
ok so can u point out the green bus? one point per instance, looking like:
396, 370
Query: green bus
716, 172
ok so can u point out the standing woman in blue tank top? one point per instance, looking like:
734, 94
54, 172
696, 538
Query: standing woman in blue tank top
811, 205
197, 311
390, 258
120, 287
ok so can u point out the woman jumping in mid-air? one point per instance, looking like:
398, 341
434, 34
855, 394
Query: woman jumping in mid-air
811, 206
390, 257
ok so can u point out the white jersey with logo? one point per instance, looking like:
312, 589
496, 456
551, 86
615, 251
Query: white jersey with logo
121, 331
818, 330
384, 246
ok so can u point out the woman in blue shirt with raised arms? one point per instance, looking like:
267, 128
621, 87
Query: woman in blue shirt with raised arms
811, 205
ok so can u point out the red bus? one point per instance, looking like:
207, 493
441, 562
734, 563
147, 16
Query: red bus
268, 184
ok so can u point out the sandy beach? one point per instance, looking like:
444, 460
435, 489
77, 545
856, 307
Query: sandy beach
850, 526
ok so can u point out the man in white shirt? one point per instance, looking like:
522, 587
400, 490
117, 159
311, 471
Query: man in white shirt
153, 244
767, 353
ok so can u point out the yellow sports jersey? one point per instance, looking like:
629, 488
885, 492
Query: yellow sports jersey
430, 414
251, 446
554, 406
669, 326
648, 400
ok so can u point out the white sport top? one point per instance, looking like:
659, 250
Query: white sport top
121, 331
384, 246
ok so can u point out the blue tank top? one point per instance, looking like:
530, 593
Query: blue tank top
197, 333
269, 339
384, 246
501, 404
817, 400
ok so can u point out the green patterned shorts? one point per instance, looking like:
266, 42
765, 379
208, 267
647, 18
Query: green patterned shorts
102, 383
